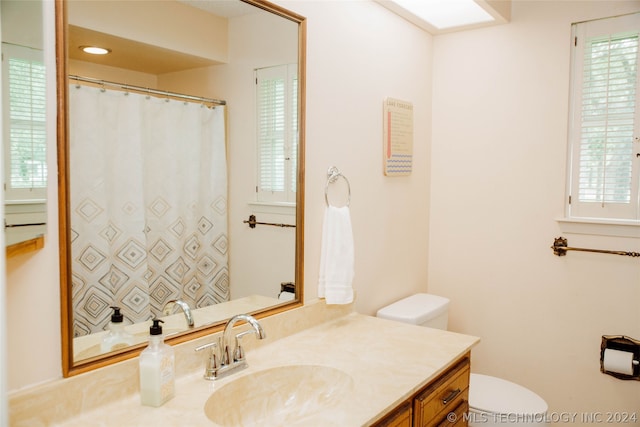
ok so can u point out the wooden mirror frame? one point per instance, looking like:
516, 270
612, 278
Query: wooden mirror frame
69, 368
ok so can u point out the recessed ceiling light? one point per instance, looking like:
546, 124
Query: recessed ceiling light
95, 50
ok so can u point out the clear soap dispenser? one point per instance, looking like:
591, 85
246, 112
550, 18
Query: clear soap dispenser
117, 337
157, 369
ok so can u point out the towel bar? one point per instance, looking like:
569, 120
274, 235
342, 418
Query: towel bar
252, 223
560, 248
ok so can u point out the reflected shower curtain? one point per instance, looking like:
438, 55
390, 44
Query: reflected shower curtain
148, 195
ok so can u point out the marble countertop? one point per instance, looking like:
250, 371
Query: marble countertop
388, 361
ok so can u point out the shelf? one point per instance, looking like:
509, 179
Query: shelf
27, 246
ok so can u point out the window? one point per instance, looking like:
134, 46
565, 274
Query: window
603, 130
23, 74
277, 133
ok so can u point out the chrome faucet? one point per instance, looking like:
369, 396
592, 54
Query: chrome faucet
222, 360
170, 306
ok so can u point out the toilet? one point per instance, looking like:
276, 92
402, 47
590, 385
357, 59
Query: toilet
492, 401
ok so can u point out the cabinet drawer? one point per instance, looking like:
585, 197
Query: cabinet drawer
456, 418
443, 396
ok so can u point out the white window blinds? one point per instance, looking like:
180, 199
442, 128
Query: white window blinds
604, 181
24, 121
277, 128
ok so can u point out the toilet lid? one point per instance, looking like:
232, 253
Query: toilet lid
498, 396
415, 309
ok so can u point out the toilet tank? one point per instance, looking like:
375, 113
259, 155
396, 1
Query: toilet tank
419, 309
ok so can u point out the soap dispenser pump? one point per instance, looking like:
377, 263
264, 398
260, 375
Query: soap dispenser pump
157, 369
117, 337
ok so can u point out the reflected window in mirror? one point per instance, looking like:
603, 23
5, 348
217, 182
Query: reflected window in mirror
24, 122
24, 76
277, 136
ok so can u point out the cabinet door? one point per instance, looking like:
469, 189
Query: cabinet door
400, 417
432, 405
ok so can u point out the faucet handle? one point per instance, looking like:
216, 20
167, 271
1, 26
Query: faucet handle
238, 351
210, 345
211, 368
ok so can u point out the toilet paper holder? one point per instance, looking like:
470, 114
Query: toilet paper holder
621, 343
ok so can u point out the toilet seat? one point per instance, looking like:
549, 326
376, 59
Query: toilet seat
497, 396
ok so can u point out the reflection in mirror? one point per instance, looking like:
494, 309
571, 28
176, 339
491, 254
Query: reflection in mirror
24, 122
174, 138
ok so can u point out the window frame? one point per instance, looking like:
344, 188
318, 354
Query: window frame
576, 209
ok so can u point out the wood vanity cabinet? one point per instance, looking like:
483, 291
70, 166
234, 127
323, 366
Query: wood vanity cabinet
442, 402
399, 417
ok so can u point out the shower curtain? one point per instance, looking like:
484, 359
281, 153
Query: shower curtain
148, 195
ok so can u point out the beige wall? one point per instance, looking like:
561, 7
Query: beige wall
499, 158
358, 54
352, 66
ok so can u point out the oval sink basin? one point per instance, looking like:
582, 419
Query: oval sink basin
282, 396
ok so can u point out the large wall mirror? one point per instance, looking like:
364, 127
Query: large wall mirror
181, 160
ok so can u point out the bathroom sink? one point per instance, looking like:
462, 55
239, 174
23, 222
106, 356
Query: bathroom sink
282, 396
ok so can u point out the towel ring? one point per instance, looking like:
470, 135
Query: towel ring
332, 176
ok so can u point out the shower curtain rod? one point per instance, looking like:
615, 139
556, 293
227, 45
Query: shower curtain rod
144, 90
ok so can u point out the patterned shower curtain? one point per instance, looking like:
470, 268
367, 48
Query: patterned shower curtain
148, 194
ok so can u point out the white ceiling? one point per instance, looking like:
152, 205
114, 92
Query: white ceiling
226, 8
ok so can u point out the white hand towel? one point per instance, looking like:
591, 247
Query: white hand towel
336, 257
